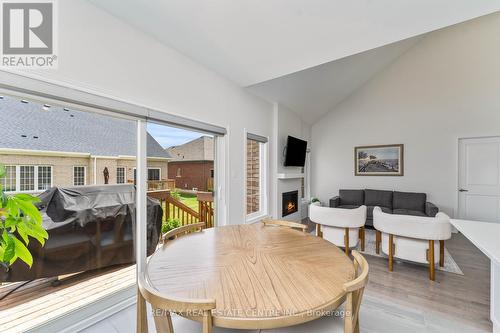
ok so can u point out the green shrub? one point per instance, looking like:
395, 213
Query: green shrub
20, 219
175, 194
169, 225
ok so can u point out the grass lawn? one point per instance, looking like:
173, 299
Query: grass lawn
190, 201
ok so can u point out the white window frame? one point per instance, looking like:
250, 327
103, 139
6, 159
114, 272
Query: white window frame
84, 174
147, 172
15, 182
263, 181
124, 174
35, 175
51, 176
155, 168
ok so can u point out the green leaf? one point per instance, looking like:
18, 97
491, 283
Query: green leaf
9, 247
26, 197
2, 171
22, 252
30, 210
23, 231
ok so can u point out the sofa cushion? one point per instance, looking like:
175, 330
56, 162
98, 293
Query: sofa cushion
369, 211
351, 197
409, 201
408, 212
378, 198
348, 206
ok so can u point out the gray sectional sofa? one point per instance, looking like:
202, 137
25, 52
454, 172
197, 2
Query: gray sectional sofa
392, 202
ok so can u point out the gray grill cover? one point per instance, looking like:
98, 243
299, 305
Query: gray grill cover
89, 227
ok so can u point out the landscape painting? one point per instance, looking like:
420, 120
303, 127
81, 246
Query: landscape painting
384, 160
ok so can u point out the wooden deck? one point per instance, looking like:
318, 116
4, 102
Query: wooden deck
39, 301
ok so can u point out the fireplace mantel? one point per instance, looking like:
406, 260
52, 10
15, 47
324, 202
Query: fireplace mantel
290, 175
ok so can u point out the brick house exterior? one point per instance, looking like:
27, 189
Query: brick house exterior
192, 164
60, 147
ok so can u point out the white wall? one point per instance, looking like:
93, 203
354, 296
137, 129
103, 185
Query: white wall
99, 53
287, 123
444, 88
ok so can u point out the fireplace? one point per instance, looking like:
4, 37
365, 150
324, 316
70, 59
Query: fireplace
290, 202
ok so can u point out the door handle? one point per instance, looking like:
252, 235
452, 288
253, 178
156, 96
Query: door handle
462, 190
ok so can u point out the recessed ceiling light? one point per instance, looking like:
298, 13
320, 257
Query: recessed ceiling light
46, 107
65, 109
24, 101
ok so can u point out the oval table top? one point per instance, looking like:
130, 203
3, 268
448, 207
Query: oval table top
260, 276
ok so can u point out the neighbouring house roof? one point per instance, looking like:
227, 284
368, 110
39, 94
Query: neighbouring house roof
201, 149
29, 126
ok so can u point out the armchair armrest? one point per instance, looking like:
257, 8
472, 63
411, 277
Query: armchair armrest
431, 209
335, 201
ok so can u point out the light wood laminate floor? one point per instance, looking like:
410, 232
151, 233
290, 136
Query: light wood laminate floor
464, 299
461, 298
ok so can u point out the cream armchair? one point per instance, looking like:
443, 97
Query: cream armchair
342, 227
413, 238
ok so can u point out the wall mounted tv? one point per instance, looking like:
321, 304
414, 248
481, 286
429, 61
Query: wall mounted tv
295, 152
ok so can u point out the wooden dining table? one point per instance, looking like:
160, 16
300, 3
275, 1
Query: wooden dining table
260, 276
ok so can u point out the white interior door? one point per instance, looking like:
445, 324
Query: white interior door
479, 179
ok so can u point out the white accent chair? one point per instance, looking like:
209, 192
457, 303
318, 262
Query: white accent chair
412, 238
342, 227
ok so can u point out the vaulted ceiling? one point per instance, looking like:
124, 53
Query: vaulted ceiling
260, 44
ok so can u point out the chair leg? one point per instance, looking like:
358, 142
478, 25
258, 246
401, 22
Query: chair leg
362, 237
346, 241
142, 316
163, 321
391, 253
207, 322
378, 238
441, 253
318, 230
432, 268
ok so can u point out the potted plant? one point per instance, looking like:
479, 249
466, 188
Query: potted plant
20, 220
315, 201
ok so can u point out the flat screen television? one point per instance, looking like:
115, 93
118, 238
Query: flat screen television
295, 152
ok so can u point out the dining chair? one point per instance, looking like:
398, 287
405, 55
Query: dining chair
180, 231
163, 305
288, 224
332, 324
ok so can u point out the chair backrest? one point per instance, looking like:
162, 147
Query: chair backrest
182, 230
355, 289
338, 217
163, 305
418, 227
288, 224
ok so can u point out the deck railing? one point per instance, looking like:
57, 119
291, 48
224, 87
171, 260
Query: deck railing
156, 185
173, 208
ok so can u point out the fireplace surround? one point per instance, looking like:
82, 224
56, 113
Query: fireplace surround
290, 203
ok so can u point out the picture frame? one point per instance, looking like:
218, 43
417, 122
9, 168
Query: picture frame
379, 160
